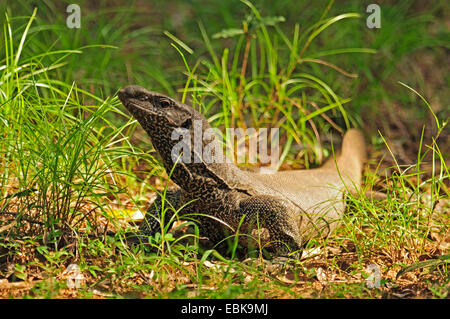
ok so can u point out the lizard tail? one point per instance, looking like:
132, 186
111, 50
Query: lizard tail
354, 146
353, 154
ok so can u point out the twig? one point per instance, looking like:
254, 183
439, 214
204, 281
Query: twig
22, 217
5, 228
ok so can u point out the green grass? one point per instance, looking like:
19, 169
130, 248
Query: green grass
70, 158
264, 80
61, 156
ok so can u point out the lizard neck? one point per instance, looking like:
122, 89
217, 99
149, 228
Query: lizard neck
193, 158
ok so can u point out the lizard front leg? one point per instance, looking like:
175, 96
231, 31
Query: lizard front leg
272, 214
161, 207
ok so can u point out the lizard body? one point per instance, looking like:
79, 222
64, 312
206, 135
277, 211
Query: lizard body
292, 206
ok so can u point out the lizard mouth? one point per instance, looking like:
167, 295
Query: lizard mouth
129, 96
132, 107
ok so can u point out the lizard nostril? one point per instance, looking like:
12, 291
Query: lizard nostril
127, 90
123, 93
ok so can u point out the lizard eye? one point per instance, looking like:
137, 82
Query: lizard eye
164, 103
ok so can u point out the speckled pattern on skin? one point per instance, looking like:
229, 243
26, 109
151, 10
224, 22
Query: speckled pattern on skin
292, 206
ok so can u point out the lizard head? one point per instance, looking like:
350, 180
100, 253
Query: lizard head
161, 117
153, 109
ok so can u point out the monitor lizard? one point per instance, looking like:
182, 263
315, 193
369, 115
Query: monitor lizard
284, 210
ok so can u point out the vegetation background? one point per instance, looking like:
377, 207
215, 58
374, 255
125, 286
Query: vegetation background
75, 168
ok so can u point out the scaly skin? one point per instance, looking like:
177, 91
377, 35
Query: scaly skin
291, 206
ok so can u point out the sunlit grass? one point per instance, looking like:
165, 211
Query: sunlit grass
61, 156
